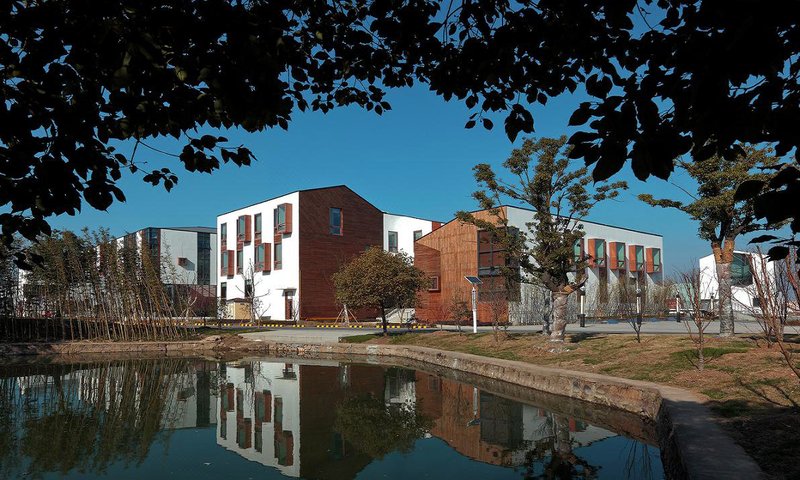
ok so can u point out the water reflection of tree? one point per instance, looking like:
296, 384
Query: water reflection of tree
89, 418
374, 428
553, 454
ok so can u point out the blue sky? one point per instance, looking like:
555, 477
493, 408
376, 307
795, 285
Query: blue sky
415, 160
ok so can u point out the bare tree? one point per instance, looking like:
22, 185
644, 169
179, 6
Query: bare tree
256, 305
773, 287
695, 318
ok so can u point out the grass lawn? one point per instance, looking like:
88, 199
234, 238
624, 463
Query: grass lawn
747, 385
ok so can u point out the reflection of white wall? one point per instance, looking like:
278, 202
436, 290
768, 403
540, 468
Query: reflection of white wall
745, 297
266, 377
538, 424
401, 388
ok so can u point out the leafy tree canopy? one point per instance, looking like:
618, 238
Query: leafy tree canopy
667, 77
378, 279
721, 216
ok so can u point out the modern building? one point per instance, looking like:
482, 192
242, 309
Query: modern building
617, 257
281, 253
187, 255
743, 289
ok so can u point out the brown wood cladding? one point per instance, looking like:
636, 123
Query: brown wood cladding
321, 254
451, 252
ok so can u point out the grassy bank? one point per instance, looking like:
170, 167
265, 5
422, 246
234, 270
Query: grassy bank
747, 385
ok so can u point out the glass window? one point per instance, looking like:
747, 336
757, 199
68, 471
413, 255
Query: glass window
240, 227
223, 233
417, 235
259, 253
248, 288
280, 218
278, 255
258, 223
224, 260
741, 276
577, 250
223, 290
639, 256
336, 221
393, 242
620, 255
239, 261
203, 258
600, 250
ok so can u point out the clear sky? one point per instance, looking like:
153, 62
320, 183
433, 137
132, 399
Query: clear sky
415, 159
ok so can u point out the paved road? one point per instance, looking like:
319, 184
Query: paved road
333, 335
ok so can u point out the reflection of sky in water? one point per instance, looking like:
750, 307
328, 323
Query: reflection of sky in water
472, 433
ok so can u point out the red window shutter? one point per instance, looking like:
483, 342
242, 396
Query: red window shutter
612, 255
649, 259
267, 257
231, 261
288, 228
248, 228
591, 249
632, 258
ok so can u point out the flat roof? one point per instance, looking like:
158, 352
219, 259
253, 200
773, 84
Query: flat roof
589, 221
532, 210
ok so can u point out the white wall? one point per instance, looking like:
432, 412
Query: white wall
266, 376
269, 287
179, 243
531, 307
743, 296
405, 228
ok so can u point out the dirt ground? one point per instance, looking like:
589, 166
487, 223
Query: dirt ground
747, 384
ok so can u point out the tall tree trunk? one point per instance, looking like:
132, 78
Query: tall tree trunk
383, 317
723, 257
559, 316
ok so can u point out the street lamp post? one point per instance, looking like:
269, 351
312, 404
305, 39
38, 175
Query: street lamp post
677, 308
582, 300
638, 303
474, 281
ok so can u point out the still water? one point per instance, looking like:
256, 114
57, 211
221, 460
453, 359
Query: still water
195, 419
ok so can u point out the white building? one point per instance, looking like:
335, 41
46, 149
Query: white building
283, 251
188, 255
457, 249
745, 297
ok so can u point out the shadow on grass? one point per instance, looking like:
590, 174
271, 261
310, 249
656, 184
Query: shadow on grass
581, 336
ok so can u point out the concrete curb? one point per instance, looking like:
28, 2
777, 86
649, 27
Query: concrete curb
692, 445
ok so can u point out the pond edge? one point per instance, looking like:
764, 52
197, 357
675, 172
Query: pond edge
692, 444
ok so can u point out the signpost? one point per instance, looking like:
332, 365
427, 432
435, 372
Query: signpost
474, 281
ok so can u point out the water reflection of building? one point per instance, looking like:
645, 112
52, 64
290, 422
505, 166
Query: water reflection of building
490, 428
258, 413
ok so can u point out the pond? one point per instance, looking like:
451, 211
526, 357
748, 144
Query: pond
277, 418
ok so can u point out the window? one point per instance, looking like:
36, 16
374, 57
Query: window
248, 288
741, 275
204, 259
417, 235
282, 218
393, 242
239, 261
278, 255
434, 285
491, 255
240, 228
336, 221
577, 251
757, 302
224, 263
259, 257
257, 228
619, 249
223, 233
223, 291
